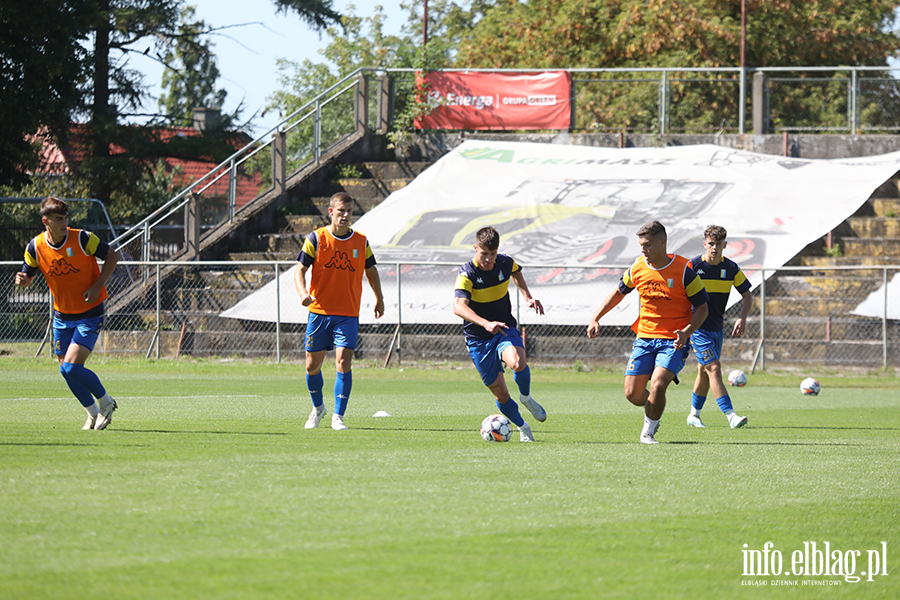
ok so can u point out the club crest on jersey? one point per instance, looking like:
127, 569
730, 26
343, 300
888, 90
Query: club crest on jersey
501, 275
69, 252
671, 282
723, 274
356, 254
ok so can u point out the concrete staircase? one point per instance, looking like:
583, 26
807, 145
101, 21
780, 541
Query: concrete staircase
378, 181
808, 312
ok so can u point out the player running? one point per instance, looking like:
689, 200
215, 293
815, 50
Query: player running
68, 259
482, 299
338, 256
673, 305
718, 274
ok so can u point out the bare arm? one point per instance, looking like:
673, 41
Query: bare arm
741, 323
519, 280
300, 284
683, 335
611, 301
109, 265
374, 280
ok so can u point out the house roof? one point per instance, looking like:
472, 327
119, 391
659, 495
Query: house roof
57, 159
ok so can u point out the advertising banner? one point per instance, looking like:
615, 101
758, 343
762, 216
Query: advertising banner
498, 101
558, 207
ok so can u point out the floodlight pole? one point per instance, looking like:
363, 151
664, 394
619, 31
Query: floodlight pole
743, 85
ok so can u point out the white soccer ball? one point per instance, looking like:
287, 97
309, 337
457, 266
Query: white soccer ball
496, 428
810, 387
737, 378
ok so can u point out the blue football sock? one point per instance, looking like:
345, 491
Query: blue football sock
82, 393
698, 401
314, 384
511, 410
724, 403
342, 386
523, 380
88, 379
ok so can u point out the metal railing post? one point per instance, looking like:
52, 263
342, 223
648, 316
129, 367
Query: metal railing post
317, 132
145, 252
663, 100
762, 321
399, 315
884, 323
854, 102
158, 311
742, 101
277, 313
232, 190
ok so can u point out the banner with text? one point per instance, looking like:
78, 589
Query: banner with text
558, 207
497, 101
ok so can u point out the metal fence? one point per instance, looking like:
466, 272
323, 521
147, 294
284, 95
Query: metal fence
800, 316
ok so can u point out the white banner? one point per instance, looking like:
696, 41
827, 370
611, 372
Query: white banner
579, 206
874, 305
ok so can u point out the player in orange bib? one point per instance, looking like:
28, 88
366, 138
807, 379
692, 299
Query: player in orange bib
673, 306
68, 259
338, 257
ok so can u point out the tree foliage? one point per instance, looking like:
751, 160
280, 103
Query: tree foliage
41, 66
68, 60
191, 73
685, 33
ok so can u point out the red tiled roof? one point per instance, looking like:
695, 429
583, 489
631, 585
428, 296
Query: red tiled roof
63, 160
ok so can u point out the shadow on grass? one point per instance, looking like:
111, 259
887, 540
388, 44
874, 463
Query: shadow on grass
191, 432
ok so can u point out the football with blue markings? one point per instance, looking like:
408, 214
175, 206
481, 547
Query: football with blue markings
737, 378
496, 428
810, 387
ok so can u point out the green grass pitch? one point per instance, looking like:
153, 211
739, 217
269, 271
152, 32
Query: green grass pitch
206, 485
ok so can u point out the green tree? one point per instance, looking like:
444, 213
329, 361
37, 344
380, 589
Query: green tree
64, 61
41, 65
678, 33
191, 73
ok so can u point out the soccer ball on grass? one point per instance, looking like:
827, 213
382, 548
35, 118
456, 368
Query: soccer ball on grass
737, 378
496, 428
810, 387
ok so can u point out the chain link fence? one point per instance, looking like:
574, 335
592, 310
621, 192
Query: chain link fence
838, 316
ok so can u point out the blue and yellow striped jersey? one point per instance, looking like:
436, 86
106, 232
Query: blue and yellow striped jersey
718, 281
488, 294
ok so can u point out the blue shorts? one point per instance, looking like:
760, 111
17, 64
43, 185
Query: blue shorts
83, 332
324, 332
486, 353
707, 345
649, 353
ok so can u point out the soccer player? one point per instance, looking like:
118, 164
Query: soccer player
673, 305
68, 259
482, 299
338, 256
718, 274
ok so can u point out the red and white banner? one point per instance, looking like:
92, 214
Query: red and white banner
497, 100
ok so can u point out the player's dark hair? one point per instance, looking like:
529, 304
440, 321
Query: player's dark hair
653, 229
53, 206
487, 238
715, 233
341, 198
